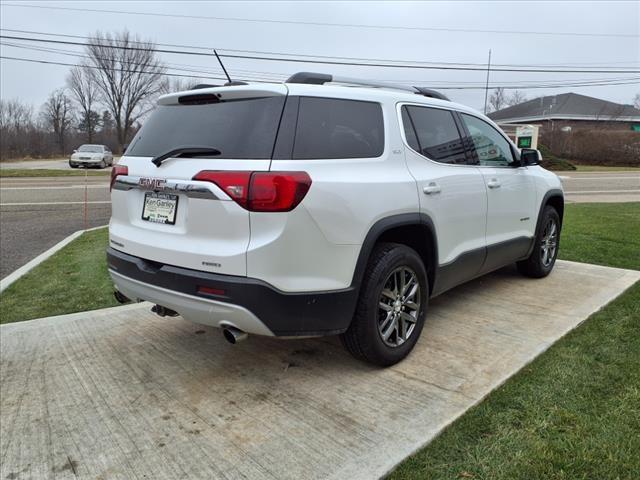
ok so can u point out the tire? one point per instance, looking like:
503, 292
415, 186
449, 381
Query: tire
388, 264
73, 165
102, 164
545, 248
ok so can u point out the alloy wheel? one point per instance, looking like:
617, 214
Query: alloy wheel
549, 243
398, 306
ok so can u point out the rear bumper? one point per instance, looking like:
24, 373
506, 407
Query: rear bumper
247, 303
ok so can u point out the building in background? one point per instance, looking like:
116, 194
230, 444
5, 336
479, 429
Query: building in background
578, 128
569, 111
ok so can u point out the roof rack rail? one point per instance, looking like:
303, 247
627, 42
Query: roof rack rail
311, 78
427, 92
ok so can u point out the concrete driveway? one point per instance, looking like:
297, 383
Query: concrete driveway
121, 393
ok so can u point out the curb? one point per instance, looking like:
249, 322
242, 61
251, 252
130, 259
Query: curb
70, 317
12, 277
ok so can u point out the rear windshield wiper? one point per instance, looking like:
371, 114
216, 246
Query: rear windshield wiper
186, 152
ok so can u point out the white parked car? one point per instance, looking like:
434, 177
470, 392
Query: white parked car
323, 206
91, 156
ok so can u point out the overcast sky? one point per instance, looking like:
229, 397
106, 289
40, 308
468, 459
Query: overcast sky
401, 33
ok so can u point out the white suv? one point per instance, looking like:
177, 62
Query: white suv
307, 209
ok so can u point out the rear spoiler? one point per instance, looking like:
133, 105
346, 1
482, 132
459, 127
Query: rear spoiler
216, 94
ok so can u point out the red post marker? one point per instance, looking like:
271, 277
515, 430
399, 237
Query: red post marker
86, 198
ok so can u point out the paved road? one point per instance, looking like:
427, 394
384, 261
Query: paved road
123, 393
601, 186
54, 164
36, 213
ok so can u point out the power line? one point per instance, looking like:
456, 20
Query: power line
80, 54
261, 52
49, 62
171, 66
324, 62
507, 87
279, 77
326, 24
635, 81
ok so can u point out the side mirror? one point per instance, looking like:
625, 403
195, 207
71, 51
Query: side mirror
75, 151
529, 156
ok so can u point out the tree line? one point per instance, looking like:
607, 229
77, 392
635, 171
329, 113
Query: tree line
104, 99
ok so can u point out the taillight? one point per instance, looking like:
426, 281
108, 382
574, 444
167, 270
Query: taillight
234, 184
261, 191
115, 171
277, 191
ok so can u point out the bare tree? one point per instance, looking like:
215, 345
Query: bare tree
497, 99
177, 84
128, 75
57, 113
516, 98
636, 101
14, 115
84, 91
16, 125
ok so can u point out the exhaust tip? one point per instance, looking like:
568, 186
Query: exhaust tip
164, 311
234, 335
120, 298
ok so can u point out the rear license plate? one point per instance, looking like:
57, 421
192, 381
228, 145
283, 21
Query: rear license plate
160, 208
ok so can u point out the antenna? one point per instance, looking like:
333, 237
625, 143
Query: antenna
222, 65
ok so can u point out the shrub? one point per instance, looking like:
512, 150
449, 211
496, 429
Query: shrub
552, 162
597, 146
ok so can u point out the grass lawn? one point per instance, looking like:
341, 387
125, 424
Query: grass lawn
72, 280
574, 412
49, 172
602, 233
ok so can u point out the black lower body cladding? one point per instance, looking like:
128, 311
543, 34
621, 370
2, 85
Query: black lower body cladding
285, 314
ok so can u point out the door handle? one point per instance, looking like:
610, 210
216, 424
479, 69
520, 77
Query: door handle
433, 187
493, 183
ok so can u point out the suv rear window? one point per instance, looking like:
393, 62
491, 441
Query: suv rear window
240, 129
435, 134
336, 128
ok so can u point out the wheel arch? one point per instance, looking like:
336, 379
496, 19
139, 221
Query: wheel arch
415, 230
555, 198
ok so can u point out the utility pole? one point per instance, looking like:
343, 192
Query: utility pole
486, 88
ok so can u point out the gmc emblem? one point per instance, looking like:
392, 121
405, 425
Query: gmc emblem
152, 183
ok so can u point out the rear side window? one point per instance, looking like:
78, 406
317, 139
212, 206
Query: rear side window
491, 147
436, 134
240, 129
409, 131
335, 128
